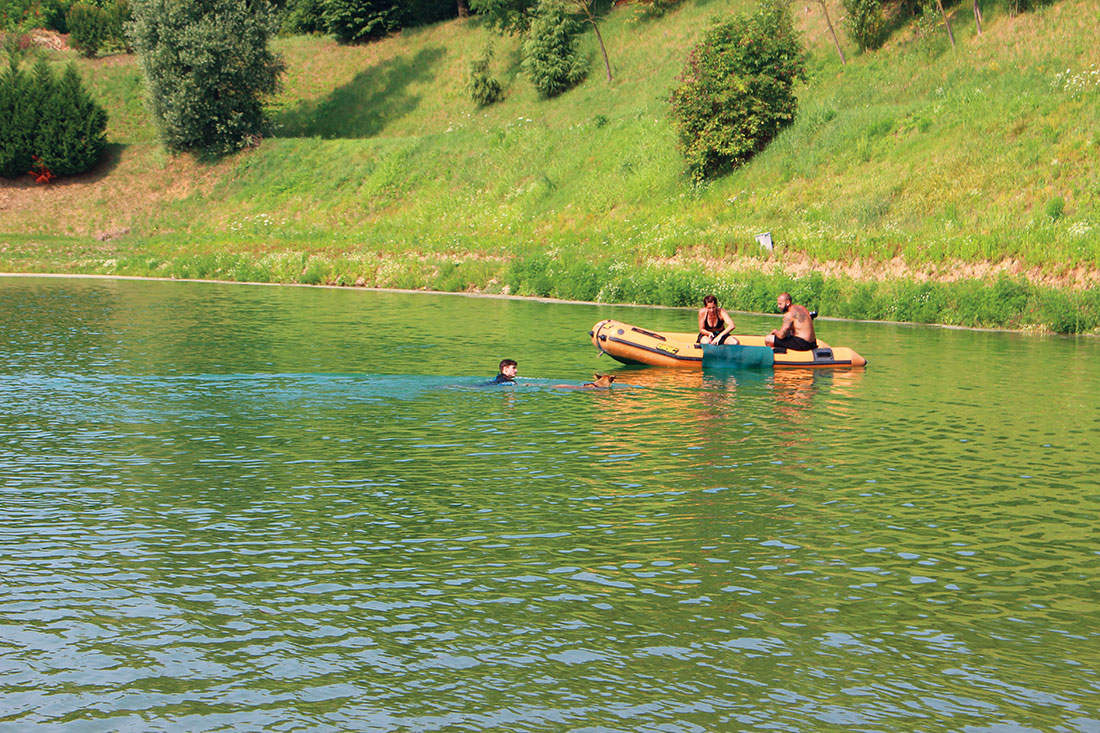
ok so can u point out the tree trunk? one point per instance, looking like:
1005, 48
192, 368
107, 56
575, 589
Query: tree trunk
464, 9
586, 7
606, 63
836, 43
946, 22
978, 16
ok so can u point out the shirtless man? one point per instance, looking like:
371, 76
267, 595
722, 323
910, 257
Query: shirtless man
797, 331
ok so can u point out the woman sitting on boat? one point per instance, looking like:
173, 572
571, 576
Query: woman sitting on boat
714, 323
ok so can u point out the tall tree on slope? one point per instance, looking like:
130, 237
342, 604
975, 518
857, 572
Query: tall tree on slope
207, 70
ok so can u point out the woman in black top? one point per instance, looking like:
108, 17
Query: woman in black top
714, 323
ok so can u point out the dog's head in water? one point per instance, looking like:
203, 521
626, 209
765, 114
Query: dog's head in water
600, 380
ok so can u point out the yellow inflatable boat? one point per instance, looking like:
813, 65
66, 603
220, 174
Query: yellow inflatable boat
633, 345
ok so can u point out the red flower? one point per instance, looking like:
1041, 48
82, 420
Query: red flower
41, 173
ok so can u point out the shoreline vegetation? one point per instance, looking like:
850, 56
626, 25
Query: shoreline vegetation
505, 296
917, 184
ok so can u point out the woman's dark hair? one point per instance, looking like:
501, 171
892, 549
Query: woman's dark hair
710, 299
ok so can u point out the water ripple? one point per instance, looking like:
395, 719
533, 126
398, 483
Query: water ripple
210, 527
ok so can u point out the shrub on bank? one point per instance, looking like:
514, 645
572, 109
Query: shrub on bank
551, 58
1004, 303
49, 14
360, 20
482, 86
50, 125
304, 16
363, 20
18, 113
737, 89
89, 27
866, 23
207, 68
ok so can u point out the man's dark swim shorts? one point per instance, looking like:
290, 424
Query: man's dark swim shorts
794, 343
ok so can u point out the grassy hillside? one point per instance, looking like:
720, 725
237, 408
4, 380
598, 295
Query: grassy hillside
914, 162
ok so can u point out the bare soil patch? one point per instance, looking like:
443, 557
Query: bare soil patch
128, 187
801, 265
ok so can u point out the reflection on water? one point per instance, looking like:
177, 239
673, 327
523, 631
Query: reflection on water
232, 508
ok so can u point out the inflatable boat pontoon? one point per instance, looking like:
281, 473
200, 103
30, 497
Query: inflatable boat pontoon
633, 345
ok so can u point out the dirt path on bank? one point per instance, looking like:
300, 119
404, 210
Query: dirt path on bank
799, 264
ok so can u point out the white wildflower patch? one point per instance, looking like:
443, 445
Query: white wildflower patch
1077, 83
259, 222
1079, 228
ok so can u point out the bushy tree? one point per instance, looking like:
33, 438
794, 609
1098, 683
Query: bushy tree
364, 20
416, 13
120, 17
207, 69
89, 27
35, 14
550, 55
54, 122
305, 16
737, 89
361, 20
866, 23
506, 16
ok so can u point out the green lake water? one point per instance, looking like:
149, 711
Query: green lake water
245, 508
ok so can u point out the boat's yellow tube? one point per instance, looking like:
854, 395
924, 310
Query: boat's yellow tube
633, 345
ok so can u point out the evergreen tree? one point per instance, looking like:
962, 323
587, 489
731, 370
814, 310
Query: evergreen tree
70, 135
55, 121
361, 20
18, 114
550, 55
89, 27
506, 16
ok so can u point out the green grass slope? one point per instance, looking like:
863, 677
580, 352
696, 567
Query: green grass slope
916, 162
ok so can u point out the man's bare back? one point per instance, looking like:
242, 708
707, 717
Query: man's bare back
798, 319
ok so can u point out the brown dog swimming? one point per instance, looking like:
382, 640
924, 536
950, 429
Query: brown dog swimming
600, 381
